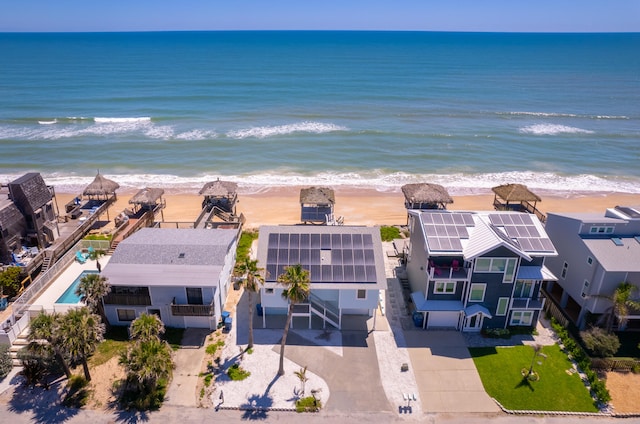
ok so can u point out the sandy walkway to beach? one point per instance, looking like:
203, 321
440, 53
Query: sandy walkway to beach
358, 206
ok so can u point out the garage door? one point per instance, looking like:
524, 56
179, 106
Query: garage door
443, 319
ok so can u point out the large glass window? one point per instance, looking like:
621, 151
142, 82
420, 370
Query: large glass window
503, 305
483, 264
444, 287
505, 265
477, 292
523, 289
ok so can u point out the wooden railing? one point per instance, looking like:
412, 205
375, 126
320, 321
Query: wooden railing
192, 310
127, 299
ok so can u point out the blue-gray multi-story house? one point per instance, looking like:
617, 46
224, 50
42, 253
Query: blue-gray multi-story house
474, 270
596, 253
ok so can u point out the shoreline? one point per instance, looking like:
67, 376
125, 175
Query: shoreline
281, 205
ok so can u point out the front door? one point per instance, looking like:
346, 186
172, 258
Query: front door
473, 323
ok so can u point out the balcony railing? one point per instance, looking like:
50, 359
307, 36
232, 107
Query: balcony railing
528, 303
127, 299
192, 310
438, 272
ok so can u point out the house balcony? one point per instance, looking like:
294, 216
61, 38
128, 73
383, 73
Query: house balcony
192, 310
448, 272
536, 303
127, 299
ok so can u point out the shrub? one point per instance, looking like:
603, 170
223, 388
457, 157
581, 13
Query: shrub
207, 379
236, 373
10, 281
211, 349
635, 368
6, 364
308, 404
388, 233
599, 342
497, 333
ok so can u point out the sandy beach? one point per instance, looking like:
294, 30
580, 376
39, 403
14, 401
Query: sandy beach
280, 205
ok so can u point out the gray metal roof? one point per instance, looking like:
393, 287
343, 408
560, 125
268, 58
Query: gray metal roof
173, 246
624, 258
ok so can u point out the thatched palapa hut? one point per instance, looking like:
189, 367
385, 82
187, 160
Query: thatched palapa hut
101, 188
220, 194
425, 196
148, 199
516, 197
316, 205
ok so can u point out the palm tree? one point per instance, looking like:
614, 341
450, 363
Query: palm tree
92, 288
251, 283
297, 284
146, 327
302, 376
80, 332
146, 362
43, 328
621, 303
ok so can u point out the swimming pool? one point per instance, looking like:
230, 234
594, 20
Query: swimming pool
69, 295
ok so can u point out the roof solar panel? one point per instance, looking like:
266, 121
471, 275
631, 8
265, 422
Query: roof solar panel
294, 256
272, 255
347, 257
359, 273
495, 219
526, 218
314, 257
357, 241
325, 241
536, 244
349, 274
369, 257
338, 272
273, 240
533, 231
294, 241
272, 274
430, 229
315, 273
315, 241
284, 241
367, 241
437, 219
336, 256
447, 218
468, 220
427, 218
456, 245
327, 275
358, 257
463, 232
547, 245
512, 231
280, 270
305, 255
525, 244
371, 273
434, 243
336, 241
283, 256
457, 219
445, 244
347, 242
305, 241
441, 231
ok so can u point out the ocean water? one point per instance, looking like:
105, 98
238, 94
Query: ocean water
558, 112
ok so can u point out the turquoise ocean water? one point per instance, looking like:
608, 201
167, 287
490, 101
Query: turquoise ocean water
557, 112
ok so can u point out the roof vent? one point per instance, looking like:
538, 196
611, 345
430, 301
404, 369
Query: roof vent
181, 256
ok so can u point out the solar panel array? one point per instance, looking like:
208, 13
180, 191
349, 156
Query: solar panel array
520, 227
347, 258
446, 230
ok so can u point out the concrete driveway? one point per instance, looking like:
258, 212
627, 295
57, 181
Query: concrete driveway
445, 373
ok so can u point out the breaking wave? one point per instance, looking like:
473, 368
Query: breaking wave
552, 129
300, 127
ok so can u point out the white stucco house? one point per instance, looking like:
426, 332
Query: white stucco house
182, 275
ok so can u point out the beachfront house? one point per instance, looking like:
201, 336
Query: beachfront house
476, 270
27, 217
346, 269
182, 275
596, 253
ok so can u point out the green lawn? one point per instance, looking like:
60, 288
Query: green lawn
116, 341
556, 390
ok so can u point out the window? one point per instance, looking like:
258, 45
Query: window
362, 294
444, 287
604, 229
477, 292
564, 270
523, 289
503, 305
268, 291
126, 314
590, 260
505, 265
194, 295
585, 289
521, 318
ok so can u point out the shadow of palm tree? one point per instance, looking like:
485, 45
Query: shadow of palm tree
257, 405
525, 383
43, 403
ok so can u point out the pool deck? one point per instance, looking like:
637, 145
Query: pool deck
46, 300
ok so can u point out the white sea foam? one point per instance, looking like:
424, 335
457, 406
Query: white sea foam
561, 115
552, 129
48, 122
456, 184
195, 135
122, 120
299, 127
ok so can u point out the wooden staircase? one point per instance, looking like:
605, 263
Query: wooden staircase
18, 344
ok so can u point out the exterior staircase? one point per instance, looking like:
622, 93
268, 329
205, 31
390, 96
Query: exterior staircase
18, 344
46, 263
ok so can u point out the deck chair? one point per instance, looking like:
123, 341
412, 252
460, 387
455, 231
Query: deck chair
80, 257
455, 265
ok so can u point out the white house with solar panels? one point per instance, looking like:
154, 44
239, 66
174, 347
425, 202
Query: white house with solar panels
596, 252
346, 268
473, 270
